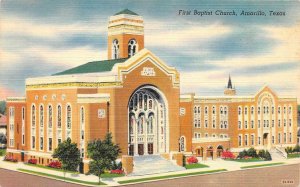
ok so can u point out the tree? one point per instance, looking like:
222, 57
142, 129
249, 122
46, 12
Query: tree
68, 154
103, 153
2, 107
268, 156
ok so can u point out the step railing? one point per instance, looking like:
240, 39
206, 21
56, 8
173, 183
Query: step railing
281, 151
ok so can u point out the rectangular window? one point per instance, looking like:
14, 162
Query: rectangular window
240, 124
246, 124
206, 123
273, 139
50, 144
225, 124
41, 143
252, 124
290, 137
33, 142
240, 140
290, 122
246, 140
279, 138
258, 140
279, 123
258, 123
284, 122
252, 139
284, 137
273, 123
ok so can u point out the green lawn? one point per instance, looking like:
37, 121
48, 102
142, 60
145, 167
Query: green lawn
170, 176
61, 177
108, 175
246, 160
196, 165
262, 165
2, 152
297, 155
46, 167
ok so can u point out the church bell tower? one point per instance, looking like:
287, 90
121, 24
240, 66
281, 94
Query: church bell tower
125, 34
229, 90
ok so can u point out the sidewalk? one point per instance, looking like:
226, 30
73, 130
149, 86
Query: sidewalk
213, 165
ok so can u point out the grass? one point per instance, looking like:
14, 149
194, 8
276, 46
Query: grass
196, 165
46, 167
109, 175
246, 160
297, 155
262, 165
2, 152
61, 177
170, 176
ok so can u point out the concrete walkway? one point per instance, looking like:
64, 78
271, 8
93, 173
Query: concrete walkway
213, 165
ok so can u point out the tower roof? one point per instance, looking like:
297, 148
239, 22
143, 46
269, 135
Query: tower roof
229, 85
126, 11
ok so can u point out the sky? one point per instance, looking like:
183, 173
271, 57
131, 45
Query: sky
40, 38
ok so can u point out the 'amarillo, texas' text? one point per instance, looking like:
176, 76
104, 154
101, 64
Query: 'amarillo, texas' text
229, 13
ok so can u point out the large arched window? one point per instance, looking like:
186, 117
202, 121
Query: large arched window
132, 47
150, 124
115, 49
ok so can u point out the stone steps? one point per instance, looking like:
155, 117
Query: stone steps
152, 164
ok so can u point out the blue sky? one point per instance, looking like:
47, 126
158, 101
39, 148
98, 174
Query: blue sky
39, 38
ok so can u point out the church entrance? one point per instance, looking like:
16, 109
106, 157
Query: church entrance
147, 124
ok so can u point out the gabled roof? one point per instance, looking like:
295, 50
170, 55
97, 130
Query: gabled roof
126, 11
93, 67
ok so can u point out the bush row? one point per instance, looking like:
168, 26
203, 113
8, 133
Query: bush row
290, 150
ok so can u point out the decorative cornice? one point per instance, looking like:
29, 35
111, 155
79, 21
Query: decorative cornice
73, 85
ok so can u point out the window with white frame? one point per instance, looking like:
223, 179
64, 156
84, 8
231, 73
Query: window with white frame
206, 123
252, 139
11, 126
213, 110
259, 140
258, 123
273, 139
33, 118
23, 125
240, 110
258, 110
240, 124
246, 124
246, 140
290, 136
115, 49
132, 47
279, 138
252, 124
240, 140
69, 121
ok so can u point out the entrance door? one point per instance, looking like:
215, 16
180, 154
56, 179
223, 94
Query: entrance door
131, 150
150, 148
141, 149
22, 156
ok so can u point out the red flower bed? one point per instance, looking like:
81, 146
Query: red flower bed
10, 159
228, 155
55, 164
192, 160
116, 171
32, 161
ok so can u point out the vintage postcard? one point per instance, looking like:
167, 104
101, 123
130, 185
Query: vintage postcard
149, 93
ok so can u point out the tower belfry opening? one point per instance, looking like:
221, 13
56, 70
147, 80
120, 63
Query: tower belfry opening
125, 34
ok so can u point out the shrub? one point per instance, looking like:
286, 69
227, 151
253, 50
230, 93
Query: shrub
10, 159
227, 155
262, 153
289, 150
55, 164
243, 154
252, 152
296, 148
192, 160
116, 171
32, 161
268, 156
116, 165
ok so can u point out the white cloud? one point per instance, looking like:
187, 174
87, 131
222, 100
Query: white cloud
183, 38
286, 50
25, 27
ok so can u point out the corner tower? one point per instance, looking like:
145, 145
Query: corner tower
125, 34
229, 90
